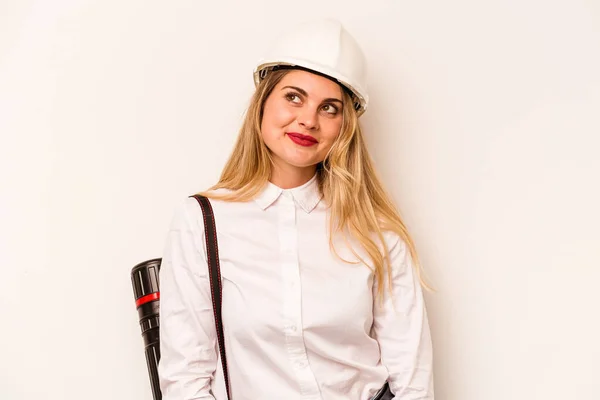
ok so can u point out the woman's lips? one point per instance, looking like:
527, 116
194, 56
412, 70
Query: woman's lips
302, 140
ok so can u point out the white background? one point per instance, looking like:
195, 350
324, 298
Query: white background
484, 124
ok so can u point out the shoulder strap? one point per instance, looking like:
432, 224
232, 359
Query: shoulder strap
215, 278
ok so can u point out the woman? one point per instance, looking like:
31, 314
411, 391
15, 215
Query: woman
321, 289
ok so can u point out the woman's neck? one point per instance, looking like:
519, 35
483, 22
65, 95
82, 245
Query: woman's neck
291, 177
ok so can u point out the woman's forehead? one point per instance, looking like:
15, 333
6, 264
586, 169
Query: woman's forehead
314, 85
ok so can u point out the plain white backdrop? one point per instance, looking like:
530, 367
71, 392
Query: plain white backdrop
484, 124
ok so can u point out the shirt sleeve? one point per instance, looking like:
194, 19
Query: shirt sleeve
401, 328
187, 329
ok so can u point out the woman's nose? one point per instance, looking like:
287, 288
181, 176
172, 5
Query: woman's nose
308, 118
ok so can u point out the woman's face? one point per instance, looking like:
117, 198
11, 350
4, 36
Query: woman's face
302, 117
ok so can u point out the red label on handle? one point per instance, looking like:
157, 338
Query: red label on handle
147, 298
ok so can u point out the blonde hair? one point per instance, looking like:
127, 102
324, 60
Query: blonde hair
359, 205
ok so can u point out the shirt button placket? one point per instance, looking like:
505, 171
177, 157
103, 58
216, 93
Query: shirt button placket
292, 294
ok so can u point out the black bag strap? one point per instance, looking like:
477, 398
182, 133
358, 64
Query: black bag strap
214, 272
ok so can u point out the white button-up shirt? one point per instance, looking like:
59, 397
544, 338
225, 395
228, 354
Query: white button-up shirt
300, 324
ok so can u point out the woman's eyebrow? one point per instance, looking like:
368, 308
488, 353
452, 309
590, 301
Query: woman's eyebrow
303, 92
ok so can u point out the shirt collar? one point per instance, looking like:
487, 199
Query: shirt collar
307, 196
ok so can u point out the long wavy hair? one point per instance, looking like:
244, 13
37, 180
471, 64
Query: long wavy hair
359, 205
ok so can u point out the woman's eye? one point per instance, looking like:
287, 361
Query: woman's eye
329, 109
293, 97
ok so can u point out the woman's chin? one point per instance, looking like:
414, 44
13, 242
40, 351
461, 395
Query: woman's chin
301, 162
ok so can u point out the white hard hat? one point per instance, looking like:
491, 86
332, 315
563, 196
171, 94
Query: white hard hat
323, 46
